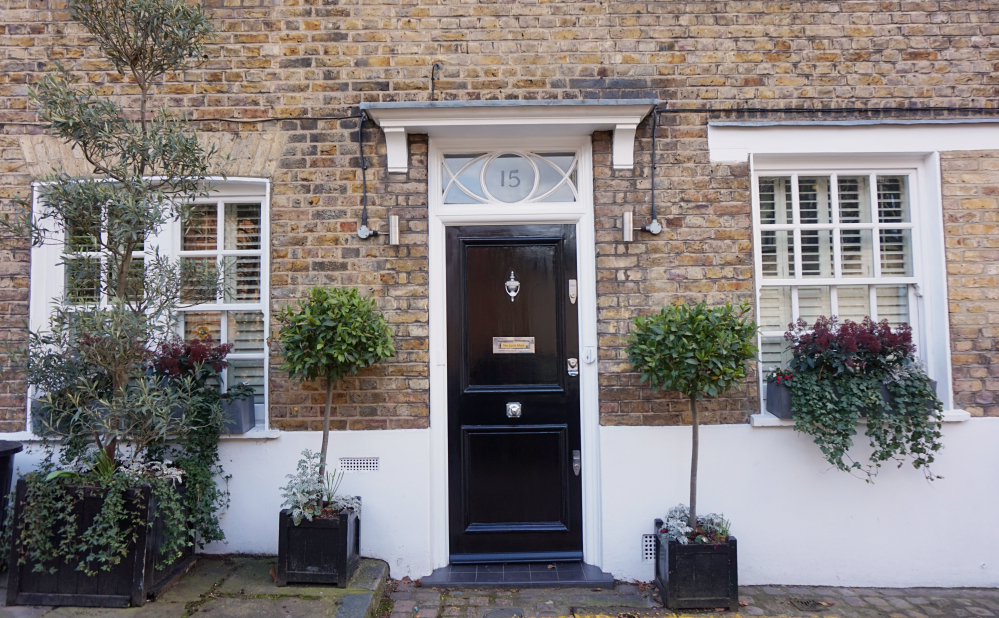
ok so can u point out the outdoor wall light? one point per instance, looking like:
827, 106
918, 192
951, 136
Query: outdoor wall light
393, 229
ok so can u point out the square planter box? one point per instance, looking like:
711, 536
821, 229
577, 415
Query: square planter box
132, 581
239, 414
697, 576
779, 399
321, 551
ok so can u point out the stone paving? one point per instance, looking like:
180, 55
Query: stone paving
239, 587
411, 600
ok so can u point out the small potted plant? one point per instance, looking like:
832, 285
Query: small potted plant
335, 332
696, 350
320, 531
846, 371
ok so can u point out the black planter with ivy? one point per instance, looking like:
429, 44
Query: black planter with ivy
150, 556
779, 399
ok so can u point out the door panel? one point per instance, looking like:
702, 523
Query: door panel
512, 489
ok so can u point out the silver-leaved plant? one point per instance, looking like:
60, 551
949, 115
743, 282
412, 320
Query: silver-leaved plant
308, 491
675, 526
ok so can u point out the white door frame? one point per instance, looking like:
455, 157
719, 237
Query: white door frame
580, 214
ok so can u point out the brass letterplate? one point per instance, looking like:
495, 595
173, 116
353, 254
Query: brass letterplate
513, 345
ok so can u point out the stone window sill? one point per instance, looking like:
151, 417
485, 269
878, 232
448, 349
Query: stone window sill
769, 420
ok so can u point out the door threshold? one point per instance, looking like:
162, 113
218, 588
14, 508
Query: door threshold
520, 575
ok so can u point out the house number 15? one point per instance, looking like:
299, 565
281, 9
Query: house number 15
513, 178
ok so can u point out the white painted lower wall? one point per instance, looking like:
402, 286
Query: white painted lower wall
797, 520
395, 502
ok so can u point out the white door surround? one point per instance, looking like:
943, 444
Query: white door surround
578, 213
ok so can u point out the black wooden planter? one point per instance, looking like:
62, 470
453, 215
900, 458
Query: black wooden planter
779, 399
695, 576
132, 581
321, 551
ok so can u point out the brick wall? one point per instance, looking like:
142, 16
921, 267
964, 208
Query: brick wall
319, 58
971, 215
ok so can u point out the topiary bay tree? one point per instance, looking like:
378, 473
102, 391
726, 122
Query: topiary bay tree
335, 332
696, 350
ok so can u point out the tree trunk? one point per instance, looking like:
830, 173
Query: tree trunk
692, 521
326, 428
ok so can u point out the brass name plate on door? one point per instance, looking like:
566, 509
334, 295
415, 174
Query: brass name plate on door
513, 345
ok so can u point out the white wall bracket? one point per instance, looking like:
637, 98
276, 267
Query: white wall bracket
509, 119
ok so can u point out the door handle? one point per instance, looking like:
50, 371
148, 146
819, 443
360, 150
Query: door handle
573, 367
513, 409
577, 462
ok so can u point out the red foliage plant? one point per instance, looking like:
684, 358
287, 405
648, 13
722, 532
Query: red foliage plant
849, 346
175, 358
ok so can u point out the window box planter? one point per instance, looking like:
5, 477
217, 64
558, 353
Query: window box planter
321, 551
131, 582
696, 576
239, 415
779, 399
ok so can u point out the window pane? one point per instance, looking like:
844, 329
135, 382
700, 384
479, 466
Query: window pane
83, 232
201, 229
775, 308
135, 280
83, 276
893, 303
550, 175
247, 372
777, 249
816, 253
202, 324
246, 331
813, 303
896, 253
857, 253
197, 270
775, 200
854, 199
467, 179
242, 226
854, 302
813, 200
774, 352
893, 199
242, 279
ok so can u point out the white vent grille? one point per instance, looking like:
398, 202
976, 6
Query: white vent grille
359, 464
648, 547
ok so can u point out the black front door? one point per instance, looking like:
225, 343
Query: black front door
513, 394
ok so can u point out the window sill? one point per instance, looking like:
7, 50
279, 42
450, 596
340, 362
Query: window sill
769, 420
257, 433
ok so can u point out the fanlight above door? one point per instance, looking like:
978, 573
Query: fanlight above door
511, 177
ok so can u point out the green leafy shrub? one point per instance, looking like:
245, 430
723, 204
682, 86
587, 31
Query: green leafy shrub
696, 350
335, 332
841, 372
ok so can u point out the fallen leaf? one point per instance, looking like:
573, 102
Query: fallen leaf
551, 566
273, 574
743, 603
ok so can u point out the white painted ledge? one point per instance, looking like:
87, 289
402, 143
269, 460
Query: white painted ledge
769, 420
257, 433
509, 119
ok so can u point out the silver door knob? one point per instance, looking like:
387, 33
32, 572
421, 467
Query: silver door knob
513, 409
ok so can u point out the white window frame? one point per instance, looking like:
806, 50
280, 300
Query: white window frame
927, 286
48, 273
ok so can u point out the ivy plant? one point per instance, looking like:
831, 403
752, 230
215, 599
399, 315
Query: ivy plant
841, 372
698, 351
333, 333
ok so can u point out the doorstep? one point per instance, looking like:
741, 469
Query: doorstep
230, 586
520, 575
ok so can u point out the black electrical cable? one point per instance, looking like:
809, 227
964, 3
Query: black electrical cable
813, 110
238, 120
655, 124
433, 78
364, 175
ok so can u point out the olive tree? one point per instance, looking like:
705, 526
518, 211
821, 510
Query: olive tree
121, 295
696, 350
335, 332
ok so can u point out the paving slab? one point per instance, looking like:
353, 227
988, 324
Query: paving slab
289, 607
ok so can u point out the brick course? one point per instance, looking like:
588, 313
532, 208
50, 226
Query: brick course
286, 59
